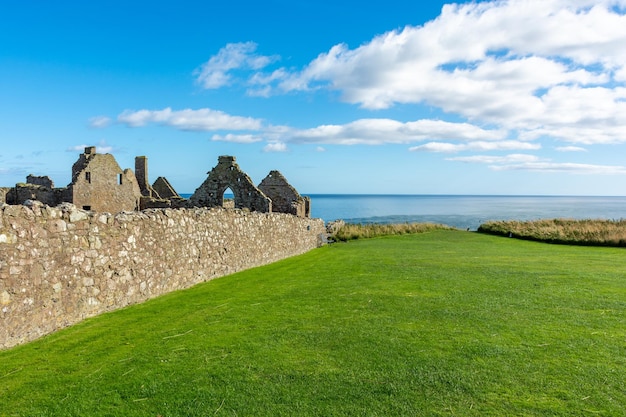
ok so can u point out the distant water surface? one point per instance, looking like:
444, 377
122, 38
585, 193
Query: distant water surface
461, 211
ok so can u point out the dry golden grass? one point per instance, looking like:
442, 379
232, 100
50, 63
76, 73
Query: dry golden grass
567, 231
350, 231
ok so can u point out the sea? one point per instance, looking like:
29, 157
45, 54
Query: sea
461, 211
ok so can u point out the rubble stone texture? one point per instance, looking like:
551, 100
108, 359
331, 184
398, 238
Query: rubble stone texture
61, 265
285, 198
99, 184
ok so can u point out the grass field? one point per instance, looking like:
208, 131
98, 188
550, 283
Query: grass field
445, 323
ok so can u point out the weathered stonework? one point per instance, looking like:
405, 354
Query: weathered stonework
141, 173
227, 174
23, 192
61, 265
99, 184
285, 198
40, 180
163, 187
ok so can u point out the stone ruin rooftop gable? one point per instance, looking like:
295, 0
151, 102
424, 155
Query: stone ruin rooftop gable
227, 174
164, 189
285, 198
277, 181
99, 184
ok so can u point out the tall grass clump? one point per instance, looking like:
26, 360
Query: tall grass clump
566, 231
353, 231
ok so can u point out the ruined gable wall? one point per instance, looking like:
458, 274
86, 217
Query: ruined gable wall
285, 198
282, 194
61, 265
227, 174
97, 185
163, 187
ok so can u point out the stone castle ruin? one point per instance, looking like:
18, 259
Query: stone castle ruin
110, 238
100, 185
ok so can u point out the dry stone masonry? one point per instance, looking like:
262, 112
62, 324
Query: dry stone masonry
64, 256
61, 265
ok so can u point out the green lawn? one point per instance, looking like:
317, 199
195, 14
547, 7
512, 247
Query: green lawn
443, 323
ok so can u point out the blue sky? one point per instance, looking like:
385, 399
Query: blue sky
400, 97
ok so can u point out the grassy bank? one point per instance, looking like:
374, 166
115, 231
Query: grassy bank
352, 231
567, 231
444, 323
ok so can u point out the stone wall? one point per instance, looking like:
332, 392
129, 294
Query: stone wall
60, 265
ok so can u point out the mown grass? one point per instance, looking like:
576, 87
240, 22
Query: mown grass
445, 323
567, 231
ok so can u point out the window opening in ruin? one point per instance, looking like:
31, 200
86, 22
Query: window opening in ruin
88, 177
121, 179
228, 198
87, 208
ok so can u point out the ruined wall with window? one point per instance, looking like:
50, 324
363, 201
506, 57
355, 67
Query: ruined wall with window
99, 184
227, 174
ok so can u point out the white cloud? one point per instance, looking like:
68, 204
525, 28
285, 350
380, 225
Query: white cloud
508, 72
99, 122
320, 149
217, 71
570, 149
564, 167
372, 131
275, 147
505, 145
236, 138
543, 68
490, 159
385, 131
522, 162
188, 119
